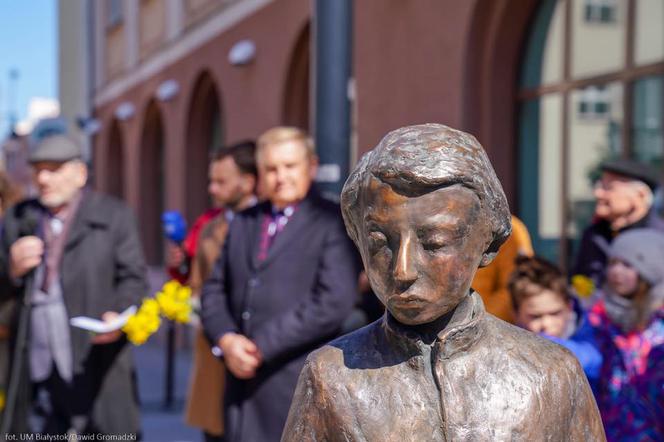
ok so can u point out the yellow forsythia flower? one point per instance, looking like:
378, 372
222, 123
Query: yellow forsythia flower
183, 314
2, 400
150, 307
183, 294
143, 323
175, 301
583, 286
171, 287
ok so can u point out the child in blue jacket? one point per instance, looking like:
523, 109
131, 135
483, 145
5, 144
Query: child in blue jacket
543, 304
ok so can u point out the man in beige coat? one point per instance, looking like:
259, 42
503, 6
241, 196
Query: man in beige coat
426, 210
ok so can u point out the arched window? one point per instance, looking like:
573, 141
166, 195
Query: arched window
204, 134
152, 193
591, 88
115, 176
296, 92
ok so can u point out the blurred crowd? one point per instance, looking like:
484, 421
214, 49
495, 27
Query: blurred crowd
612, 315
274, 276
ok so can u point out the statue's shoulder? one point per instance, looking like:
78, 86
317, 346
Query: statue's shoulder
529, 341
538, 353
348, 350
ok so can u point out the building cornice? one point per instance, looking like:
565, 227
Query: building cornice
172, 52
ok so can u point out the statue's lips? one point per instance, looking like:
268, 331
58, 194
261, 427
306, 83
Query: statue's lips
406, 300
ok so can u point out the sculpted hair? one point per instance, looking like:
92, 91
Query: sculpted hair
531, 276
282, 134
418, 159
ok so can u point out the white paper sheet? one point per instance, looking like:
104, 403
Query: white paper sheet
98, 326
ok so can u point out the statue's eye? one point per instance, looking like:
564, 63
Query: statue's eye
432, 246
437, 241
377, 239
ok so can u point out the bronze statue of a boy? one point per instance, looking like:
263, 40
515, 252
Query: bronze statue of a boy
426, 210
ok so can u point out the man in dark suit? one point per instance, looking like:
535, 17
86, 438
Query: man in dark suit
283, 285
70, 252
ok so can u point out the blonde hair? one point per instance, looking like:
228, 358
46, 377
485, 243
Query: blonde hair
282, 134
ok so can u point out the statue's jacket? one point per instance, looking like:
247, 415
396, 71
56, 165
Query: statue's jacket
482, 379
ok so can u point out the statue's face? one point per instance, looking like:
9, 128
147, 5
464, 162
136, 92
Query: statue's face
421, 253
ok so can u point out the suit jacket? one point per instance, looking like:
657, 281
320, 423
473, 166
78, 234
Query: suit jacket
289, 304
482, 379
102, 269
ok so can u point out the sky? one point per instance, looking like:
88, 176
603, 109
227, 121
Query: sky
29, 44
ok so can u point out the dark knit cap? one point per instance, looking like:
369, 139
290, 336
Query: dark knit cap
643, 250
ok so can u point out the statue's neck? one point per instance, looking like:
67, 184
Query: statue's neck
429, 332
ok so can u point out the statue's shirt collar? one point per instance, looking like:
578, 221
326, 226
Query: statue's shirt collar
462, 331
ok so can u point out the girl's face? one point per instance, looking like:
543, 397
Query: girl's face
622, 278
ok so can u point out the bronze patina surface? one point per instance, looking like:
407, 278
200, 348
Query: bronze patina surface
426, 210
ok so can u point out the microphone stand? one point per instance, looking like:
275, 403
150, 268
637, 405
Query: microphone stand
20, 350
30, 226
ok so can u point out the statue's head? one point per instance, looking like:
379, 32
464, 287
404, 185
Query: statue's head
425, 209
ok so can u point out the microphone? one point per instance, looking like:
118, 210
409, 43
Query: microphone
29, 225
30, 218
175, 229
174, 226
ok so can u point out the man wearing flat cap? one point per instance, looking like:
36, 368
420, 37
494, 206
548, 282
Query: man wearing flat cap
69, 252
624, 195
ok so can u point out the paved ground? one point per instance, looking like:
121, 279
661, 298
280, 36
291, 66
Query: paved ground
161, 424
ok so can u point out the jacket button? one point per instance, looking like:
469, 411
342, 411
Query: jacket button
246, 316
253, 282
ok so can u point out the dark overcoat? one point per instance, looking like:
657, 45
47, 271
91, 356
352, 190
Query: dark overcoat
102, 269
289, 304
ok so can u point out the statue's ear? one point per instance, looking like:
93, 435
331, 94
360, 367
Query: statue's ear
487, 258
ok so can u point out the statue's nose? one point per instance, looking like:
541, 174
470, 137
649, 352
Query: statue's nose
405, 272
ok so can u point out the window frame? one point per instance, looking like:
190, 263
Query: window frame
114, 14
627, 77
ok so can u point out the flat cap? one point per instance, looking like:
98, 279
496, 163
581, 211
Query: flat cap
56, 148
633, 169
